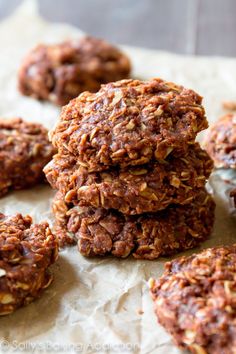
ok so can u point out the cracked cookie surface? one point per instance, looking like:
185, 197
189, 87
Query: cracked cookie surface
195, 301
129, 123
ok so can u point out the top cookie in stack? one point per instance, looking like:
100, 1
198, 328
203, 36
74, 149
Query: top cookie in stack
126, 151
129, 123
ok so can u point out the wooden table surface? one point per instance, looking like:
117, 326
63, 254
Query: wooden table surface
205, 27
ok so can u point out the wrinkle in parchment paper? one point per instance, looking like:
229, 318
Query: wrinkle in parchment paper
96, 305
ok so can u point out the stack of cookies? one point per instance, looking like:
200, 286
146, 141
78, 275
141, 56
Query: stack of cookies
129, 174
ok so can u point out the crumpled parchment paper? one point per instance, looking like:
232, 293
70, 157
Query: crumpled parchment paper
100, 305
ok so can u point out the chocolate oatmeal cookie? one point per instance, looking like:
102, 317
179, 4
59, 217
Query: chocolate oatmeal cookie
136, 190
24, 151
26, 252
61, 72
147, 236
195, 301
129, 123
220, 142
